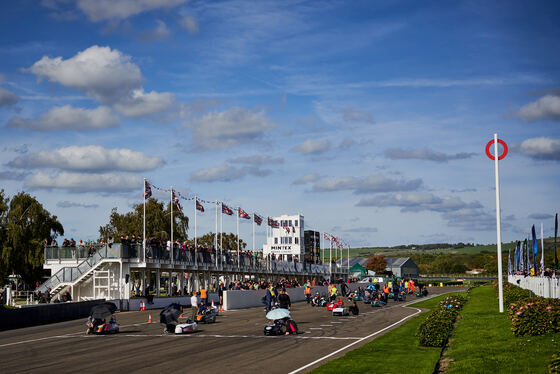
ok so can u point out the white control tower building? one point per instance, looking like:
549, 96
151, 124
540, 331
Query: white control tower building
287, 241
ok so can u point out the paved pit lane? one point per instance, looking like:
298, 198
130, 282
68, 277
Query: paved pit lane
234, 344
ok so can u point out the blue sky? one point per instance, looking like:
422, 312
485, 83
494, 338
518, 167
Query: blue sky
370, 118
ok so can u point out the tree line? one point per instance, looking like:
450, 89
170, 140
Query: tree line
24, 225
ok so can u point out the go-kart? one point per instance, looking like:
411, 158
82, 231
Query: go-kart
96, 323
101, 327
183, 328
276, 327
206, 316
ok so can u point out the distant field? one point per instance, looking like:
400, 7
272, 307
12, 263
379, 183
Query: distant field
394, 252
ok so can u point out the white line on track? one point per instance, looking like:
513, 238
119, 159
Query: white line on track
356, 342
325, 325
315, 328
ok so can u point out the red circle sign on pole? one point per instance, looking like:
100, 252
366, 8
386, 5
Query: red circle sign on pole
490, 156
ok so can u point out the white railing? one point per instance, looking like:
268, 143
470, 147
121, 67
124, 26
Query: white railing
541, 286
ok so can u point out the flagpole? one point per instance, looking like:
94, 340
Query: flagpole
498, 224
542, 251
238, 238
330, 261
348, 263
144, 223
253, 233
171, 246
221, 232
216, 236
323, 250
195, 241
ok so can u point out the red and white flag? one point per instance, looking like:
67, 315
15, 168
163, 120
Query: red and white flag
199, 206
243, 214
227, 210
176, 201
272, 223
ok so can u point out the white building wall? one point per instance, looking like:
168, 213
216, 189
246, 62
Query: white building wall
280, 242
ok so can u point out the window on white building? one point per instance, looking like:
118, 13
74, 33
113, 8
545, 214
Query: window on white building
275, 240
290, 240
296, 241
295, 222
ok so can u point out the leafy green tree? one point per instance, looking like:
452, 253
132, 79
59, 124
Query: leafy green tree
25, 226
229, 241
157, 222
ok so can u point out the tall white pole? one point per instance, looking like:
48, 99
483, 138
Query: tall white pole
144, 223
498, 225
221, 230
542, 250
253, 232
216, 236
171, 246
323, 249
195, 241
330, 261
348, 263
238, 238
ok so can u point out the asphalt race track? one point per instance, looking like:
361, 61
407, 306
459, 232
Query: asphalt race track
234, 344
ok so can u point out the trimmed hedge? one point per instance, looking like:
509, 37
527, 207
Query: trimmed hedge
437, 326
536, 317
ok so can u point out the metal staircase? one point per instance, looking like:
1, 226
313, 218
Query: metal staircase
72, 275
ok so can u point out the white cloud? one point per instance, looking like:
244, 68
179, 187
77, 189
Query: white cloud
71, 204
257, 160
189, 24
541, 148
417, 201
370, 184
68, 118
424, 154
227, 129
140, 103
108, 76
311, 146
91, 158
101, 10
7, 97
226, 173
457, 213
85, 182
100, 72
307, 178
547, 107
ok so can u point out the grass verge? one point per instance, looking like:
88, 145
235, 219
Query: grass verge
394, 352
482, 341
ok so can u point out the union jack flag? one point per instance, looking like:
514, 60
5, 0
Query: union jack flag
147, 190
227, 210
272, 223
199, 206
176, 201
326, 236
257, 219
243, 214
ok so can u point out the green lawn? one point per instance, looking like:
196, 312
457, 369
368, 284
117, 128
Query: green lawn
395, 352
483, 343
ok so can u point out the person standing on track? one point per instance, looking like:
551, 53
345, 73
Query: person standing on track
308, 293
194, 305
334, 293
203, 296
284, 300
